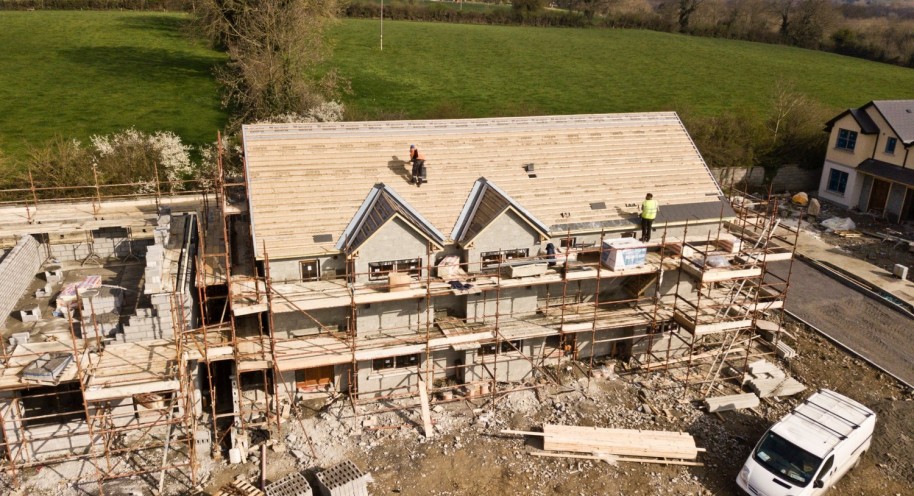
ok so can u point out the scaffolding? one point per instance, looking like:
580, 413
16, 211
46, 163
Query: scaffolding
238, 373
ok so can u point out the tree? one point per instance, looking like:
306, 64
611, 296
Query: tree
276, 49
686, 9
527, 6
805, 22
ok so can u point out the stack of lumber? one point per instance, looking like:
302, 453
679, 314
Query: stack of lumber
784, 351
729, 243
767, 380
731, 402
676, 247
629, 445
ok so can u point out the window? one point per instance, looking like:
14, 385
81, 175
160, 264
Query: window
52, 405
837, 181
494, 258
310, 270
379, 270
566, 242
397, 362
506, 347
847, 140
890, 146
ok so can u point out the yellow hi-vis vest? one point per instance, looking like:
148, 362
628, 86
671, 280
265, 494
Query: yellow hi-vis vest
649, 209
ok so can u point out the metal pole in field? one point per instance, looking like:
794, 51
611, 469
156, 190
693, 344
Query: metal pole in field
382, 25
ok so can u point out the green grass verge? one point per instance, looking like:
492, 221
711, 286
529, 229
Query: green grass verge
75, 74
447, 70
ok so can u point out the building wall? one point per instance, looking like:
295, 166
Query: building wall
17, 270
296, 324
290, 269
482, 307
106, 243
390, 315
862, 150
395, 240
374, 383
507, 232
885, 132
896, 202
851, 196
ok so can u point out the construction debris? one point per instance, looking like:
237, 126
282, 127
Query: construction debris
731, 402
767, 380
239, 487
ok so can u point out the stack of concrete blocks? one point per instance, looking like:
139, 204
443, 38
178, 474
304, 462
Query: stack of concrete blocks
45, 292
101, 309
343, 479
32, 313
293, 484
17, 270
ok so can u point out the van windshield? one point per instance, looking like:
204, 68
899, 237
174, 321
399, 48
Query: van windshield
785, 460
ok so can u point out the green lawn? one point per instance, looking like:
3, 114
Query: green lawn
75, 74
441, 70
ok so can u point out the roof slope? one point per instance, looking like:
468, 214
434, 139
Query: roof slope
306, 180
900, 116
867, 126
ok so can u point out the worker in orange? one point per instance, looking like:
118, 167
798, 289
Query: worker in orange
649, 210
418, 161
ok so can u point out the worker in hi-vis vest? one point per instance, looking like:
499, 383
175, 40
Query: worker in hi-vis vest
649, 211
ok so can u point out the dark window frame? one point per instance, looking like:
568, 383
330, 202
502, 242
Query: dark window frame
488, 349
847, 140
317, 269
837, 181
378, 271
890, 145
496, 258
395, 362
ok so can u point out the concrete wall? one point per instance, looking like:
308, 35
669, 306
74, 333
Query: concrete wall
481, 307
17, 270
787, 178
374, 383
395, 240
506, 232
511, 365
295, 324
896, 202
389, 315
105, 243
290, 270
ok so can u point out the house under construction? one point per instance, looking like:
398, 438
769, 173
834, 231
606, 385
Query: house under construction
144, 332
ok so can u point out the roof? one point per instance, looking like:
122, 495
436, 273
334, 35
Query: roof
900, 116
885, 170
307, 181
822, 421
867, 126
485, 204
381, 205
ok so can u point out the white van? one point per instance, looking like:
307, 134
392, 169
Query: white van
810, 449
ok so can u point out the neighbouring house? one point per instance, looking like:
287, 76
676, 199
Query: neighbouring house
868, 164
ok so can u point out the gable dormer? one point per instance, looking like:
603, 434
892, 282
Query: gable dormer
388, 235
492, 225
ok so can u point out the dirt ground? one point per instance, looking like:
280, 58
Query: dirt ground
469, 455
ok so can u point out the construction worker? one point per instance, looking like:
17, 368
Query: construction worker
418, 161
649, 211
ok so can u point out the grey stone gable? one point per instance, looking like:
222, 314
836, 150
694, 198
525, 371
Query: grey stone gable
381, 205
485, 204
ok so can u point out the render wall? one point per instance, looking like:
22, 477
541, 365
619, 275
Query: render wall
507, 232
395, 240
17, 270
390, 315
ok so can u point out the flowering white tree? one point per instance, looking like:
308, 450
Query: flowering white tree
133, 156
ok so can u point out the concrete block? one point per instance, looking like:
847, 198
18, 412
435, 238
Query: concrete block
19, 338
53, 274
293, 484
900, 271
30, 314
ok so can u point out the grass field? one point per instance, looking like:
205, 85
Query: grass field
75, 74
467, 70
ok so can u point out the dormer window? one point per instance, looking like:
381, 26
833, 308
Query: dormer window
847, 140
890, 146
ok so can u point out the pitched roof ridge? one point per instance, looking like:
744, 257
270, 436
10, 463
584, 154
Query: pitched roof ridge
468, 214
348, 240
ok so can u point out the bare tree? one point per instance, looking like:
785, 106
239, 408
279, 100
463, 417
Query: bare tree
686, 9
275, 50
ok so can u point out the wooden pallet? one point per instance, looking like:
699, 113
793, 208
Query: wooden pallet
239, 487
